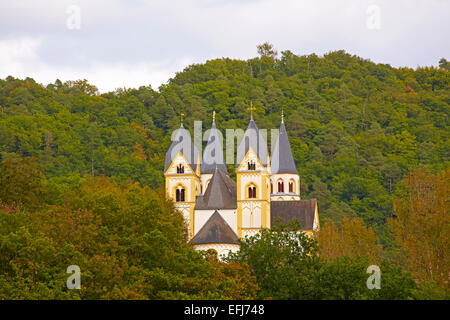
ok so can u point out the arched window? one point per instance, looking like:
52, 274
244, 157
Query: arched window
180, 194
280, 186
180, 168
271, 187
291, 186
252, 192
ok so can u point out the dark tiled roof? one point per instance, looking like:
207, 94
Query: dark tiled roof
182, 142
282, 160
215, 230
213, 153
220, 193
303, 210
252, 138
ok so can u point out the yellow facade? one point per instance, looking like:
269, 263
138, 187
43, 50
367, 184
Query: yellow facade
252, 213
259, 178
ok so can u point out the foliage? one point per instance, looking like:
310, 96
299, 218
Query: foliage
128, 242
352, 239
286, 265
356, 127
280, 259
20, 182
421, 226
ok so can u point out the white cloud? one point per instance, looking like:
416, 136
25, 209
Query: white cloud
131, 43
20, 59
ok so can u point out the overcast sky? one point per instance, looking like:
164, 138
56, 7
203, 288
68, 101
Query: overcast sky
129, 43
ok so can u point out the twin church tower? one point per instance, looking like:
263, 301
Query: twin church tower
217, 210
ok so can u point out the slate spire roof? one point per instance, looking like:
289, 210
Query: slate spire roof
181, 141
213, 153
282, 160
252, 138
220, 193
215, 230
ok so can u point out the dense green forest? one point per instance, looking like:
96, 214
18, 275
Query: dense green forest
356, 128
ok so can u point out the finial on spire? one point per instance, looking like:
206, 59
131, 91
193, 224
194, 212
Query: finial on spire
214, 116
181, 118
282, 114
251, 110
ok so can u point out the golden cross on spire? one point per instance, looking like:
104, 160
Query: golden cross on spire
251, 110
214, 115
181, 117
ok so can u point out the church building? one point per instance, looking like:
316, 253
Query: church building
218, 210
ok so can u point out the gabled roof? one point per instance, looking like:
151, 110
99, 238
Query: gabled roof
220, 193
303, 210
215, 230
182, 142
252, 138
282, 160
213, 153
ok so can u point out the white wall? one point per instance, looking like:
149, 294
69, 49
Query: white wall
221, 248
286, 177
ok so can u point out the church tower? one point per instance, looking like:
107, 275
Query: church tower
285, 180
252, 178
212, 156
218, 211
182, 175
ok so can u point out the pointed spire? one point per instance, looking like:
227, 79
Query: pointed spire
213, 153
254, 139
282, 159
220, 193
182, 142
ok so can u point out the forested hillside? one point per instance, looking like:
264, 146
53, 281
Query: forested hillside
356, 127
81, 182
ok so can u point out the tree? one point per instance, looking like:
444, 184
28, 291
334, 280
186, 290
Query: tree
281, 260
286, 265
20, 182
352, 239
444, 64
421, 225
127, 240
267, 50
345, 278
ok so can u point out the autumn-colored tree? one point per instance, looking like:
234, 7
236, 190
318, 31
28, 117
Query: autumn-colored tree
20, 182
128, 241
421, 225
353, 238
